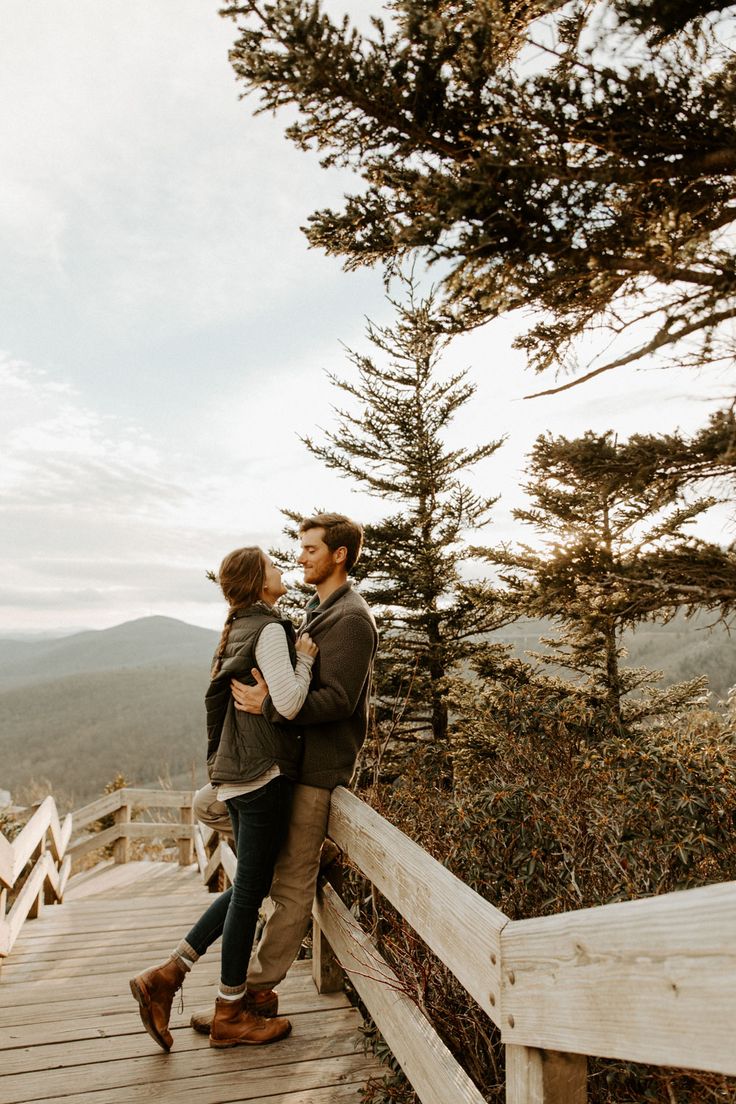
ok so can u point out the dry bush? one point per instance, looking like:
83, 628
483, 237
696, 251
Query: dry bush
542, 809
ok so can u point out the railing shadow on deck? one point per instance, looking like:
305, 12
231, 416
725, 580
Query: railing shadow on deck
652, 980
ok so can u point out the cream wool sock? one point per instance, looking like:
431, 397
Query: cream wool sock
231, 992
185, 954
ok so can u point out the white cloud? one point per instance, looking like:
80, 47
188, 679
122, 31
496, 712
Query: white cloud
152, 210
79, 487
149, 228
58, 455
104, 524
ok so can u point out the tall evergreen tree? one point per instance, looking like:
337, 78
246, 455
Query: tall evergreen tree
594, 187
391, 442
609, 530
575, 159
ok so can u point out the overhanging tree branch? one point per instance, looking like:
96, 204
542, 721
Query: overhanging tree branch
661, 340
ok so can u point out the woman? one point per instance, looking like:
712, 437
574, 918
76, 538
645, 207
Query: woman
253, 763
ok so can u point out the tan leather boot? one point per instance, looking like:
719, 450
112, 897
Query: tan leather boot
233, 1025
264, 1002
154, 990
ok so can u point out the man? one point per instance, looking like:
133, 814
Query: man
332, 723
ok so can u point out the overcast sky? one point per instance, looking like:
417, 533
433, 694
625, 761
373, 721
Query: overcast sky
164, 329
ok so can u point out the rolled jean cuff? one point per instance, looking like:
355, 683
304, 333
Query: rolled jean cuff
231, 991
186, 954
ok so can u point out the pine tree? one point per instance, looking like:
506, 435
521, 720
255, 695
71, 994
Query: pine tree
391, 442
572, 158
612, 525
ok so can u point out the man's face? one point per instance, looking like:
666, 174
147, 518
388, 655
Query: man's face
316, 559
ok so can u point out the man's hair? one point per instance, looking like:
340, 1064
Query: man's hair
340, 532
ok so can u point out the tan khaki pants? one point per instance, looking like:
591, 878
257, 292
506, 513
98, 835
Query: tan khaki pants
288, 908
212, 812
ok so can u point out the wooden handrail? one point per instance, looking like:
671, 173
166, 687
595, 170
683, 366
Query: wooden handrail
142, 799
47, 877
44, 837
7, 861
462, 928
193, 838
426, 1061
651, 980
45, 818
102, 806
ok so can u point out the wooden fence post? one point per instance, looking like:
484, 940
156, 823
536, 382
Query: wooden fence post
120, 849
36, 908
3, 907
327, 972
545, 1076
49, 896
186, 845
218, 881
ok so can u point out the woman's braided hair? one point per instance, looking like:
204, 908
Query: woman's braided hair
240, 577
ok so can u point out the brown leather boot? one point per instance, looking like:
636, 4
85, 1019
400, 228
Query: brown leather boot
264, 1002
154, 990
233, 1025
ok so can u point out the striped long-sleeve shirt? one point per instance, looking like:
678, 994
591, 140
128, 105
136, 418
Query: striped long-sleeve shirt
288, 687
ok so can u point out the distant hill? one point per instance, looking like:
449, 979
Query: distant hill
689, 648
15, 651
159, 641
77, 710
682, 649
79, 732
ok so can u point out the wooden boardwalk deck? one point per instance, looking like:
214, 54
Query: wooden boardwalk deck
70, 1030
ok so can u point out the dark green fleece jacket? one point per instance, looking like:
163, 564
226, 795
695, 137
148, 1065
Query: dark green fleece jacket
334, 717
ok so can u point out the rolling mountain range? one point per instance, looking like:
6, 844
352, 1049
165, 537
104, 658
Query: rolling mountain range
682, 649
77, 710
146, 642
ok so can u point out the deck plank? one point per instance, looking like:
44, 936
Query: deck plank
307, 1028
70, 1030
224, 1087
102, 986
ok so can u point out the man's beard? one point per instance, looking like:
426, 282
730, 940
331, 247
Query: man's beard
317, 576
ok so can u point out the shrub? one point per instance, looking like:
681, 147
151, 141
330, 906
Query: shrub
540, 818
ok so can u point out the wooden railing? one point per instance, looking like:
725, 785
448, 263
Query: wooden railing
652, 980
123, 805
53, 848
42, 844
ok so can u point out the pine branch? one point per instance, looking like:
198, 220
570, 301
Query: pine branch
664, 337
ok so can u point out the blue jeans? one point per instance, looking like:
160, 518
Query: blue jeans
260, 821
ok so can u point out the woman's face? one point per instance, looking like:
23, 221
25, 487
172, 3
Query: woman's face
273, 586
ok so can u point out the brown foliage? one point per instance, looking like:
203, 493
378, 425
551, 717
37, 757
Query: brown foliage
539, 820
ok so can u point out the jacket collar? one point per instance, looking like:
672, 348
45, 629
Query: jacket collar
257, 609
314, 606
